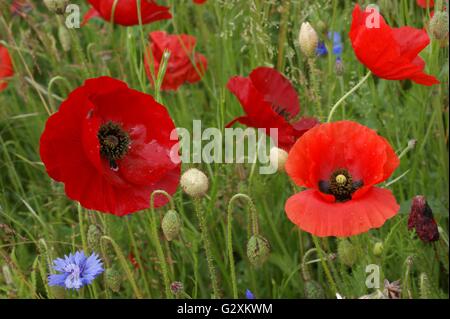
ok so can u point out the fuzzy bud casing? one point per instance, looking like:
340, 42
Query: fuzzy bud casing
194, 183
171, 225
258, 250
113, 279
278, 158
439, 25
308, 39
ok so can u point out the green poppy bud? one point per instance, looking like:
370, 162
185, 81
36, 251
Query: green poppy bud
346, 253
171, 225
64, 38
258, 250
57, 6
439, 25
378, 249
313, 290
113, 279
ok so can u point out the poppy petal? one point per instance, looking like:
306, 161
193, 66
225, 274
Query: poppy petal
311, 213
278, 91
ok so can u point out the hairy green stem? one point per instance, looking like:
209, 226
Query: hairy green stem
346, 95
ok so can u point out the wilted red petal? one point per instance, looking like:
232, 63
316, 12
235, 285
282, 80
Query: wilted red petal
184, 65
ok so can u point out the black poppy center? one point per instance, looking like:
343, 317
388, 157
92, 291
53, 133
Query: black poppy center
341, 185
114, 142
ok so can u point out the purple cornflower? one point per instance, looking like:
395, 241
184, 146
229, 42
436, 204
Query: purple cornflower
249, 294
76, 270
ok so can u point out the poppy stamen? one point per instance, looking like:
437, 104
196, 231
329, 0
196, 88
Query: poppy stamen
114, 142
340, 185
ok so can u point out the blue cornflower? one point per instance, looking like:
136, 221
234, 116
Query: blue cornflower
321, 49
76, 270
249, 294
337, 42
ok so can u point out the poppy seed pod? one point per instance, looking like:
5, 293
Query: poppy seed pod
258, 250
56, 6
113, 279
278, 158
378, 249
171, 225
308, 39
439, 25
313, 290
194, 183
346, 253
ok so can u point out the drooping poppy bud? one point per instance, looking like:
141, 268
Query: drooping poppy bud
171, 225
313, 290
194, 182
424, 286
258, 250
308, 39
113, 279
439, 25
422, 220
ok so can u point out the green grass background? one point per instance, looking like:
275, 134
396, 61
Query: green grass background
38, 222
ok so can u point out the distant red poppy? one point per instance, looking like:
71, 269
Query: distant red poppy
270, 101
425, 3
199, 1
421, 219
126, 11
340, 163
110, 145
180, 67
6, 67
390, 53
20, 8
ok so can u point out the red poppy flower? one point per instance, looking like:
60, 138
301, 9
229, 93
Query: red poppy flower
20, 8
270, 101
180, 67
6, 67
199, 1
126, 11
421, 218
390, 53
111, 147
425, 3
340, 163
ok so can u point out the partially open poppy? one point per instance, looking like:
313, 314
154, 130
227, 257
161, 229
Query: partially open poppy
111, 147
6, 67
184, 65
270, 101
339, 163
390, 53
425, 3
126, 11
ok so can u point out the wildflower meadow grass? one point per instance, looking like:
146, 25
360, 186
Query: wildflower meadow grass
224, 232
